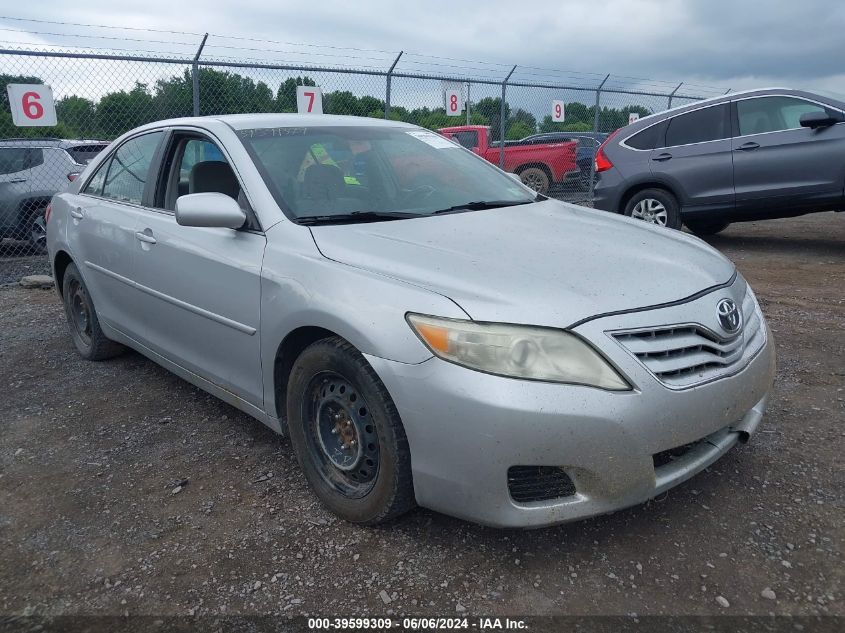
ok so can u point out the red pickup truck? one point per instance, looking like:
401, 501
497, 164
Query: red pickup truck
538, 165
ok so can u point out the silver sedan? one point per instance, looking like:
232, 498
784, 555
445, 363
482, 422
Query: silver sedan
426, 329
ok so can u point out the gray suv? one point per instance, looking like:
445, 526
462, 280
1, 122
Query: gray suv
753, 155
31, 172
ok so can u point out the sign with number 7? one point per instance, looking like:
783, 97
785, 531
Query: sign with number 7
32, 105
309, 100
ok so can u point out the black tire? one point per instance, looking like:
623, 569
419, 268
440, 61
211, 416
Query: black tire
82, 320
658, 207
705, 227
36, 231
336, 405
535, 178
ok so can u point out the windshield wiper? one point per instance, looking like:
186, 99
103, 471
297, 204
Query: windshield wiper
481, 205
355, 217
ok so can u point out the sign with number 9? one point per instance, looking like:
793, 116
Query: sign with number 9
558, 111
32, 105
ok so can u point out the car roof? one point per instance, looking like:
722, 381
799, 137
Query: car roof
47, 141
271, 119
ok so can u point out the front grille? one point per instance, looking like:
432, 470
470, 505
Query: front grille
685, 355
538, 483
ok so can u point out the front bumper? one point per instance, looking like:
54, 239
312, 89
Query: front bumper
466, 429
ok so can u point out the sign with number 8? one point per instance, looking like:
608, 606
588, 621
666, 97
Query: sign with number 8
454, 104
32, 105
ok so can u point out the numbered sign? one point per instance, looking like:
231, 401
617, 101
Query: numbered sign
558, 113
454, 103
633, 116
31, 105
309, 100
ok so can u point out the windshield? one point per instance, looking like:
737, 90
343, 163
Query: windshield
375, 173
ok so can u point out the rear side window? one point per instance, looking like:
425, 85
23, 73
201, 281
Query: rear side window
468, 139
773, 114
130, 167
699, 126
36, 157
83, 154
646, 139
13, 159
95, 185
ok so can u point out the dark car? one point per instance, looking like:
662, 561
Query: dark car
588, 143
754, 155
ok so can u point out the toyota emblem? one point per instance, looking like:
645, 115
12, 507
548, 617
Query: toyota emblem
729, 315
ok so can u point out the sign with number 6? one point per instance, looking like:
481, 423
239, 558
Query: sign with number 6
309, 100
454, 103
558, 112
32, 105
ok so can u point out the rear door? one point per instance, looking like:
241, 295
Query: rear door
695, 158
778, 163
14, 185
201, 286
101, 229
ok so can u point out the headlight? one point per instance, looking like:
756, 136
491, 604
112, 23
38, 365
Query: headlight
517, 351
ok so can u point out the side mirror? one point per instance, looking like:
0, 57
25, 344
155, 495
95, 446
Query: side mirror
209, 210
820, 119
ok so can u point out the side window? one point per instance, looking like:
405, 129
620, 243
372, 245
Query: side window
646, 139
197, 165
130, 167
468, 139
698, 126
36, 157
772, 114
13, 159
95, 185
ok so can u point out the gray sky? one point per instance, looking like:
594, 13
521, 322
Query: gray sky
727, 44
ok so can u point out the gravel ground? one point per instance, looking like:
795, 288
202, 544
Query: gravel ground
125, 490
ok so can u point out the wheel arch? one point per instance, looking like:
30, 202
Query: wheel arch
60, 263
642, 186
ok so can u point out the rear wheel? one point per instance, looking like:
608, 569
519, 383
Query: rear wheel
535, 178
37, 232
704, 227
347, 434
82, 319
655, 206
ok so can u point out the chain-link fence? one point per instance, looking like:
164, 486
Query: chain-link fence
99, 96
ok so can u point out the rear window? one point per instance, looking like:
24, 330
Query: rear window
646, 139
83, 154
699, 126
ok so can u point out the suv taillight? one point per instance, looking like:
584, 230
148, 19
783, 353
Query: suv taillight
602, 161
48, 212
73, 175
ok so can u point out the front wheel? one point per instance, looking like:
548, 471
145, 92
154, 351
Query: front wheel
655, 206
703, 227
347, 434
535, 178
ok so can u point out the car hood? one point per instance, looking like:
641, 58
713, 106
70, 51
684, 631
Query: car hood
547, 263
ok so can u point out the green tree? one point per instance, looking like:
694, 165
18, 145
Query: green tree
518, 130
121, 111
490, 109
78, 114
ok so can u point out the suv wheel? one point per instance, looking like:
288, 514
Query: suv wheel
347, 434
655, 206
703, 227
37, 232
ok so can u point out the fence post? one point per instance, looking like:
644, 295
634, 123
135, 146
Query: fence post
596, 129
195, 76
502, 121
387, 91
467, 104
672, 94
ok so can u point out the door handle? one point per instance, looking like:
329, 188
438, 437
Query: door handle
77, 213
747, 147
662, 157
16, 180
147, 238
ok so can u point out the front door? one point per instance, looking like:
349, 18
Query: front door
14, 187
201, 286
778, 163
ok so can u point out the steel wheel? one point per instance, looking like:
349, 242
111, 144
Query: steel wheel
80, 316
341, 436
650, 210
